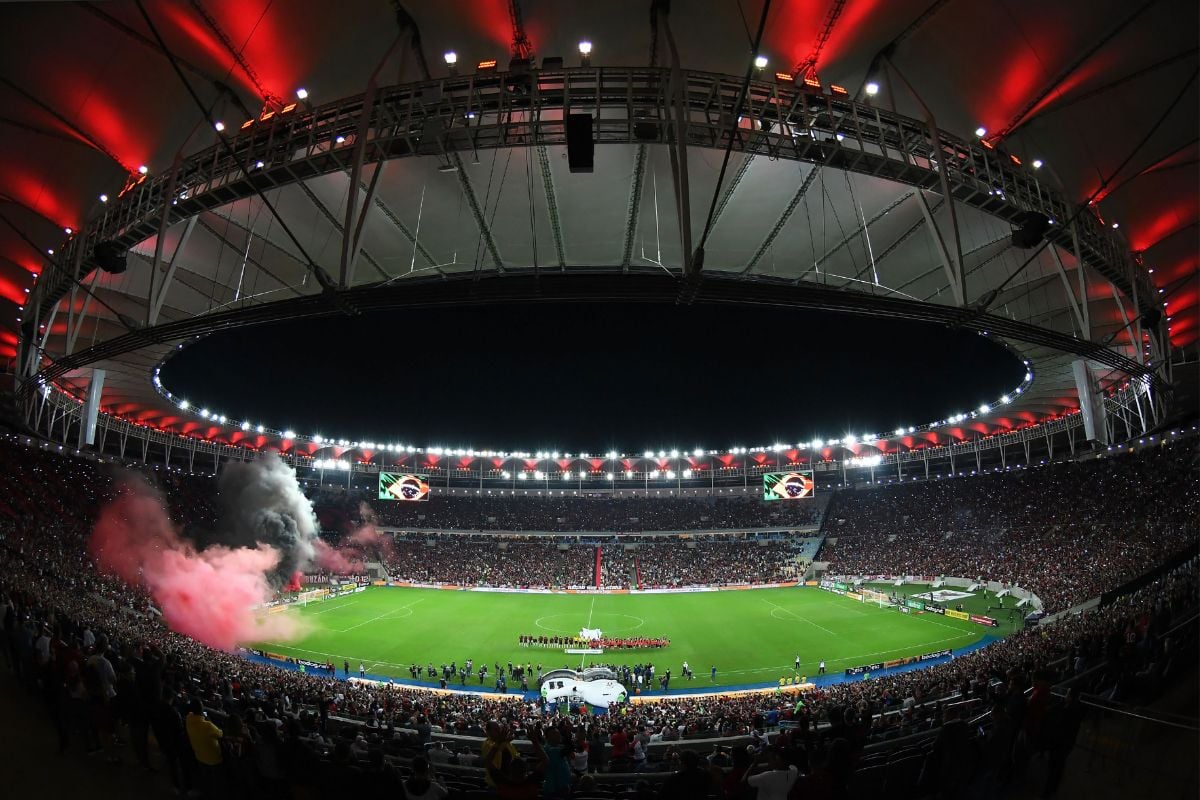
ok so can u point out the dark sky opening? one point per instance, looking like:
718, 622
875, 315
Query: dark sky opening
593, 377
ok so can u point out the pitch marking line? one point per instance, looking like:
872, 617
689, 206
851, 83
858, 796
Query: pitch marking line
799, 618
591, 608
335, 608
407, 608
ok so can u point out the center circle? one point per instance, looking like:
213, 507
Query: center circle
597, 622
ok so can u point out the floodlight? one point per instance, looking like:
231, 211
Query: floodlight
220, 126
289, 434
981, 131
872, 88
450, 57
302, 93
103, 198
1037, 163
585, 48
760, 62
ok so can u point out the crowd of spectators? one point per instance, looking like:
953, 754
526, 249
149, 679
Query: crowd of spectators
515, 564
676, 564
586, 513
1065, 531
548, 563
108, 672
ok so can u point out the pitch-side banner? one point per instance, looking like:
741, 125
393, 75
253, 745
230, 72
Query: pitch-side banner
795, 485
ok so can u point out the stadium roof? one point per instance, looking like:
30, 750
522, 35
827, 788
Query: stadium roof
472, 198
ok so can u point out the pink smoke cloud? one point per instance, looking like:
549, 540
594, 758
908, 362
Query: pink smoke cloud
335, 560
209, 595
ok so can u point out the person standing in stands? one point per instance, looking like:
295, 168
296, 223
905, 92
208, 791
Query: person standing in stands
362, 670
346, 668
205, 738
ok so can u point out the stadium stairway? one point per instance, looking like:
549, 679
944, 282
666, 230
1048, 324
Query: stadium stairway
598, 579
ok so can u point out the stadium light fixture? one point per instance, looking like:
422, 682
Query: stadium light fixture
653, 474
103, 198
184, 404
670, 475
143, 169
981, 131
450, 57
687, 473
259, 429
522, 476
585, 48
219, 126
302, 93
204, 413
899, 431
985, 408
1116, 225
221, 419
68, 231
850, 439
674, 454
697, 452
245, 426
1037, 163
289, 434
760, 62
538, 474
608, 476
872, 88
505, 474
649, 454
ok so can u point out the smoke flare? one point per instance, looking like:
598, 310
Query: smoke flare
210, 594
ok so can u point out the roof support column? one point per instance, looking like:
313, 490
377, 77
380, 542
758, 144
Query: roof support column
958, 281
157, 299
1075, 303
350, 241
677, 144
953, 269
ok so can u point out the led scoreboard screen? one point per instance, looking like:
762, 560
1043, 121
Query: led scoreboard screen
398, 486
795, 485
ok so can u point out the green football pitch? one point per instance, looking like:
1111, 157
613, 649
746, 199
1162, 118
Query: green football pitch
751, 636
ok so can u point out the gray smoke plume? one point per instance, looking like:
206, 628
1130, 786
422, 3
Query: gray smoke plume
262, 503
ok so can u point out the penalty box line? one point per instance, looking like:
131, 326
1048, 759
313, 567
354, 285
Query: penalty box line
800, 618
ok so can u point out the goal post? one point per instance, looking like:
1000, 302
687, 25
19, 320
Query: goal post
311, 594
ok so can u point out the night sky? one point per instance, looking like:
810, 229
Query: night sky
592, 377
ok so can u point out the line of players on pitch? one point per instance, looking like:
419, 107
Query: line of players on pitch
606, 642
